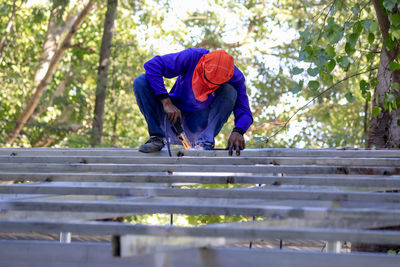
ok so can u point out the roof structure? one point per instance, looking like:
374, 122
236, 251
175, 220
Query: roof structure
323, 197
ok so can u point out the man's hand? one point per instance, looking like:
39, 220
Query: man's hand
236, 142
173, 113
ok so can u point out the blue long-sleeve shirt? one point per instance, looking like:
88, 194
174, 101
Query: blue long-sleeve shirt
182, 64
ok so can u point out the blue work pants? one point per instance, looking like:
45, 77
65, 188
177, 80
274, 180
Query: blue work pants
199, 126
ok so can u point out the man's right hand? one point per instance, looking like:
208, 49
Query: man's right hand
173, 113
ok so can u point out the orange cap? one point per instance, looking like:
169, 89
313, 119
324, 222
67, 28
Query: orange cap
218, 67
212, 70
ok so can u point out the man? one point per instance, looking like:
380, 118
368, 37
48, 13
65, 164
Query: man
208, 88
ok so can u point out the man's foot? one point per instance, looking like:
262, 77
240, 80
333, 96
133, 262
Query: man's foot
204, 146
154, 144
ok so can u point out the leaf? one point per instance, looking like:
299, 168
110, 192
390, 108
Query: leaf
376, 111
385, 105
349, 49
336, 36
396, 19
394, 66
398, 122
389, 43
374, 82
306, 37
309, 49
371, 38
339, 5
396, 86
367, 24
313, 85
349, 96
344, 62
390, 97
331, 65
389, 4
356, 10
357, 28
369, 56
364, 86
298, 87
327, 78
330, 50
303, 55
352, 39
322, 59
296, 71
313, 71
331, 21
367, 95
374, 26
395, 33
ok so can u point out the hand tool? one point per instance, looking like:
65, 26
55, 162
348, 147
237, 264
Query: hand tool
180, 134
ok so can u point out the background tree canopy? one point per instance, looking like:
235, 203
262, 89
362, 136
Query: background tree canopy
340, 57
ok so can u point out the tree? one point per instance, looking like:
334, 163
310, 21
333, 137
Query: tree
42, 85
247, 29
385, 124
339, 41
102, 75
8, 29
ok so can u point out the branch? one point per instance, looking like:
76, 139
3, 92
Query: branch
384, 26
81, 46
326, 17
195, 17
305, 105
42, 86
383, 20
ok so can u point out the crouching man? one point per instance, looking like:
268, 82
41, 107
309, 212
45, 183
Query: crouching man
207, 89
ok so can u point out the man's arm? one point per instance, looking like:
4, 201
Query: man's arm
173, 113
242, 112
169, 66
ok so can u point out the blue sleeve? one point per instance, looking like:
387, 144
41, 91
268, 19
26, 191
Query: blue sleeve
170, 66
241, 111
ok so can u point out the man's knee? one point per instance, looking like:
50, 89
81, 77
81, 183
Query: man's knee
228, 92
140, 84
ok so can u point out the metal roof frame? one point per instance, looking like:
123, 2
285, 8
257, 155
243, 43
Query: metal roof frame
333, 195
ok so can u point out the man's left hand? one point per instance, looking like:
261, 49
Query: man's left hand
236, 142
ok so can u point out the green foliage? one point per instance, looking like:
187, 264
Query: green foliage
339, 41
330, 41
376, 111
335, 39
393, 251
389, 4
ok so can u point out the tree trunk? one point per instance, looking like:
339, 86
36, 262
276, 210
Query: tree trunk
394, 124
384, 129
104, 62
378, 132
59, 91
54, 31
44, 82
